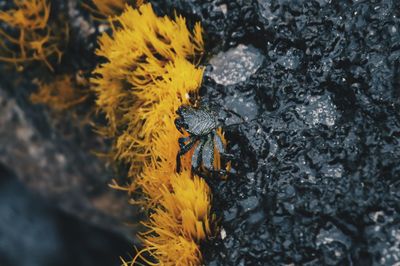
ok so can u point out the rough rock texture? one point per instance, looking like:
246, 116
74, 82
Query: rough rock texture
316, 176
235, 65
61, 170
36, 233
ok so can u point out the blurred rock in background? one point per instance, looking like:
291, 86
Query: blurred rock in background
34, 232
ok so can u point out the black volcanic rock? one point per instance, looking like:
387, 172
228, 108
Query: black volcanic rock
316, 174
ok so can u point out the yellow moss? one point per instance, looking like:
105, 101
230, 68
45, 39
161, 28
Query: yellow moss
150, 70
29, 14
110, 7
147, 76
159, 170
180, 221
29, 37
105, 8
60, 94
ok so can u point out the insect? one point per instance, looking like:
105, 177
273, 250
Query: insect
201, 124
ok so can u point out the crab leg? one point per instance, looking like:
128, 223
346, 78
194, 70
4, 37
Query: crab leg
196, 157
218, 143
208, 153
184, 149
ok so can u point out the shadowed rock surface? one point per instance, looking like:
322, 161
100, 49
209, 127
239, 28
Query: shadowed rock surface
316, 176
34, 232
58, 169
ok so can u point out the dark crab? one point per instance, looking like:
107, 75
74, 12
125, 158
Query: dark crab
201, 124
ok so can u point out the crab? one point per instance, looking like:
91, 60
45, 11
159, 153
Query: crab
201, 124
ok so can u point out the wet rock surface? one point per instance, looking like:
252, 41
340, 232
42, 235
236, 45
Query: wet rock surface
235, 65
315, 177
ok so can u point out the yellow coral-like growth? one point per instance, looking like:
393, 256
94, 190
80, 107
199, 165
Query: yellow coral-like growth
60, 94
150, 70
180, 221
110, 7
104, 8
147, 76
29, 37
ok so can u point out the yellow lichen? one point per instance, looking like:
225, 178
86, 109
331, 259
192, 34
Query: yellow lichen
28, 36
147, 76
109, 7
179, 222
149, 72
105, 8
60, 94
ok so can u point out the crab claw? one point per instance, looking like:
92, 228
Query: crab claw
179, 124
180, 110
207, 154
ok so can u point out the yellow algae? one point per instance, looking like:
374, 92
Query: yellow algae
180, 221
150, 70
60, 94
147, 76
102, 9
29, 37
